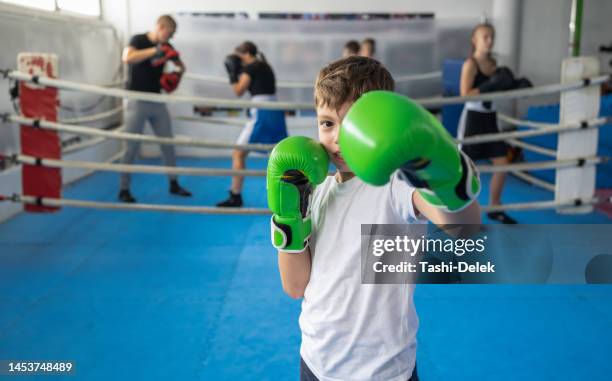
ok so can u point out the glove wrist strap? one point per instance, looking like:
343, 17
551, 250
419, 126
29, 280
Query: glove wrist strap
290, 234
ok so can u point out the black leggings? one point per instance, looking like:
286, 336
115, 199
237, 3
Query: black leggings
306, 373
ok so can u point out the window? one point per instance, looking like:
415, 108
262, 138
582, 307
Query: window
48, 5
85, 7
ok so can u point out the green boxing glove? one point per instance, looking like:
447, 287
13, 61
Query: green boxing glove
297, 164
385, 131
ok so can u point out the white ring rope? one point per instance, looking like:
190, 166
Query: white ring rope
94, 117
484, 138
55, 202
541, 125
309, 85
155, 97
541, 165
418, 77
534, 180
88, 143
137, 168
212, 120
116, 156
532, 147
180, 141
165, 98
496, 136
157, 169
537, 205
512, 94
186, 141
225, 81
292, 122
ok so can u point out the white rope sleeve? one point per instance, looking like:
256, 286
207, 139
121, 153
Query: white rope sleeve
540, 165
155, 169
538, 205
157, 98
513, 94
494, 137
309, 85
94, 117
138, 168
527, 123
418, 77
165, 98
87, 143
532, 147
292, 122
179, 141
55, 202
208, 119
534, 180
225, 81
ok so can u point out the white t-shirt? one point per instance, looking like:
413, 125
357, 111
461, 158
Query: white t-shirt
354, 331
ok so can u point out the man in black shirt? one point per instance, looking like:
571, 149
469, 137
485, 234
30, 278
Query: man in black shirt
146, 56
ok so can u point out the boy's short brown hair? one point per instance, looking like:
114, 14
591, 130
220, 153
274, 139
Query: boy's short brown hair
167, 20
352, 46
347, 79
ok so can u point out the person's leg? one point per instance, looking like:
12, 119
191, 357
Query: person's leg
135, 121
238, 163
235, 193
495, 190
162, 126
497, 181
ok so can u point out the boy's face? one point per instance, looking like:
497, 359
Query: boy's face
366, 50
328, 122
164, 32
346, 52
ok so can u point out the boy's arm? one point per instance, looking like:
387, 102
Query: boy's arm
425, 154
294, 272
240, 87
470, 215
296, 166
131, 55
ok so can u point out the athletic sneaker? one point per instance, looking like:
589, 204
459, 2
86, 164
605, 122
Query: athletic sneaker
126, 196
234, 201
178, 190
501, 217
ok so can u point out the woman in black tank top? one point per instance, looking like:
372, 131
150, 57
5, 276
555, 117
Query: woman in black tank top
256, 76
480, 117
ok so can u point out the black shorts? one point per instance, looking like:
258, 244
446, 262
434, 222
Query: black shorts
307, 375
478, 123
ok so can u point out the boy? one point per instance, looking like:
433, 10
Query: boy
146, 56
368, 47
354, 331
351, 48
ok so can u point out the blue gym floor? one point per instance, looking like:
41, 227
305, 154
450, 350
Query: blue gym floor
161, 296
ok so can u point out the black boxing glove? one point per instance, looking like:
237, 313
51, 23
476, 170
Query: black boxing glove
522, 83
501, 80
233, 65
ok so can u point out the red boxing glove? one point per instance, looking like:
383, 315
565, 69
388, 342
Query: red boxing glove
170, 81
164, 53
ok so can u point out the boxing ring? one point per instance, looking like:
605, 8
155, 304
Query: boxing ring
132, 290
